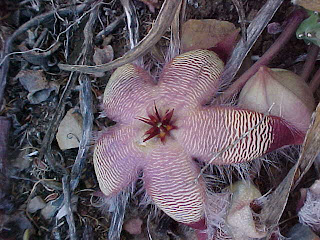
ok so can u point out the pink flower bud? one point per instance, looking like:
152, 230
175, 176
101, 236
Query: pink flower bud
283, 93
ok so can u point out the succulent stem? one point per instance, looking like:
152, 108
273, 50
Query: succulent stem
315, 82
293, 22
310, 61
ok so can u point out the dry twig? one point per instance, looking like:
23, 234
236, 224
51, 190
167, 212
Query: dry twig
293, 22
109, 29
132, 22
85, 101
23, 28
52, 129
270, 214
253, 32
161, 25
242, 18
67, 205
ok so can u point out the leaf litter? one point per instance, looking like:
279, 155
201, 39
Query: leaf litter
51, 33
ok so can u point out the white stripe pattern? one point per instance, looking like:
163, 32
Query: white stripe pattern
210, 130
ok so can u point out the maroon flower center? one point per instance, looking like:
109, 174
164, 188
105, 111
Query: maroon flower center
160, 126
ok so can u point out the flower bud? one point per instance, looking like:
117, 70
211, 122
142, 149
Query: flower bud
240, 218
280, 93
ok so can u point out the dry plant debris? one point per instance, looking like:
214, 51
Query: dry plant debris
50, 191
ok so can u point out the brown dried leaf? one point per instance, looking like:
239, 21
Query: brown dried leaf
313, 5
70, 130
276, 202
36, 83
204, 34
102, 56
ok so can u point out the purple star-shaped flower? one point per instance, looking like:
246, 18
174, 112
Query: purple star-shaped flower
162, 127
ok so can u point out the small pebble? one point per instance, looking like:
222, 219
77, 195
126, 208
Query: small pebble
35, 204
133, 226
302, 232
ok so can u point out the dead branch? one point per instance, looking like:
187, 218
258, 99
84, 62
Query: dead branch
161, 25
109, 29
119, 204
23, 28
271, 214
293, 22
253, 32
132, 22
85, 101
242, 18
67, 205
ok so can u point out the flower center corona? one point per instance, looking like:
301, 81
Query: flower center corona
160, 126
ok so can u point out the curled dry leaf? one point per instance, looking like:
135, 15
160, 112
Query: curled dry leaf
309, 214
282, 91
22, 161
64, 210
104, 55
276, 202
39, 58
51, 197
50, 209
313, 5
204, 34
101, 56
35, 204
35, 82
70, 130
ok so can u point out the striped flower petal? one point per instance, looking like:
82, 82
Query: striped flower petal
240, 135
191, 79
128, 89
169, 177
116, 159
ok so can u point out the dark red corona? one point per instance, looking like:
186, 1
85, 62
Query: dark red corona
161, 126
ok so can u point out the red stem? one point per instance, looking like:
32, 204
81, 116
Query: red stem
315, 82
310, 62
293, 22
